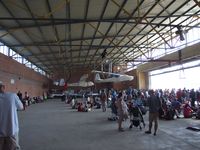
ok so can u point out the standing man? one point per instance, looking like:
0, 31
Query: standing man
193, 97
103, 100
154, 106
9, 128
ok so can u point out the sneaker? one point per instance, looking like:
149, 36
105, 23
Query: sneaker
148, 132
154, 134
121, 130
130, 127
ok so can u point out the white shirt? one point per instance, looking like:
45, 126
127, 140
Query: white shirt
9, 104
124, 107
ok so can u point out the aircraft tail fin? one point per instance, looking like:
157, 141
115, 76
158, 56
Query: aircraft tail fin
97, 77
84, 77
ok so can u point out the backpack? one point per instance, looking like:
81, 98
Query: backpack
169, 114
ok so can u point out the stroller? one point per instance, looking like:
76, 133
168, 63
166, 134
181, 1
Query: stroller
136, 117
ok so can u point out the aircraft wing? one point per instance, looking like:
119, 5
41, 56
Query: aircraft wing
107, 80
110, 80
72, 84
84, 77
86, 84
109, 73
82, 82
113, 78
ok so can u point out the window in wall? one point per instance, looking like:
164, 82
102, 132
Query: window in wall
12, 53
28, 64
9, 52
18, 58
1, 49
4, 50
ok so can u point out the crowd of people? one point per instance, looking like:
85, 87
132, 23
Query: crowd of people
27, 100
129, 103
165, 104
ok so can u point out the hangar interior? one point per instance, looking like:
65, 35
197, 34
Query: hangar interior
44, 41
64, 39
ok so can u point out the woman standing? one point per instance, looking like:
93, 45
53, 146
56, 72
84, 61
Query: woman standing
122, 111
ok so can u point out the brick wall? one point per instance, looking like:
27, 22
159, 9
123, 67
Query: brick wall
17, 77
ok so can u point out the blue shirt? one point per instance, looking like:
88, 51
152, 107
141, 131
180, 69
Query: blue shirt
9, 103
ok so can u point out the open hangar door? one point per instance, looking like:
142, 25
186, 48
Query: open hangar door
181, 76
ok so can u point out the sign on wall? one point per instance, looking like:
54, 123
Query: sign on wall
12, 81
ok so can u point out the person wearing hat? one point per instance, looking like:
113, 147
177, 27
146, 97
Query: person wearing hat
9, 127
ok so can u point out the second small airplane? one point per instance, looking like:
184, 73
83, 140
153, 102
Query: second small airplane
82, 82
111, 77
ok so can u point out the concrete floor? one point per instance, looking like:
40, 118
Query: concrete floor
55, 126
